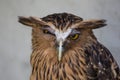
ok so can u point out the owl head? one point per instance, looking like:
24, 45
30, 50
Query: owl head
61, 31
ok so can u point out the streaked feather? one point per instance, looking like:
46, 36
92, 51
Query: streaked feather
83, 59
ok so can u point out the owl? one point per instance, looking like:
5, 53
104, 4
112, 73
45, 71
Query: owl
65, 48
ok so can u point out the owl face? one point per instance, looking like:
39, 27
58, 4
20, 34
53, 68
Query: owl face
62, 31
61, 40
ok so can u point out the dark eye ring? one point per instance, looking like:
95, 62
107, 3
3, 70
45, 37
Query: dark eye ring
74, 37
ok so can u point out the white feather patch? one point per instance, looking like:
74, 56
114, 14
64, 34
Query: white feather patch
60, 35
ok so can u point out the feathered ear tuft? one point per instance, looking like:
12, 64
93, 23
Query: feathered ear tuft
92, 24
31, 21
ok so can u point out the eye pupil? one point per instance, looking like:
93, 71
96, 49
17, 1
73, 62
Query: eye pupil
45, 31
75, 36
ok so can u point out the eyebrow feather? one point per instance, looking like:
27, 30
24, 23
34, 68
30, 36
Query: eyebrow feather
74, 31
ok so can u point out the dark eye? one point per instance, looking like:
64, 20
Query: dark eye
74, 36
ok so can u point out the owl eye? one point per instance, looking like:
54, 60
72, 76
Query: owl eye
46, 31
74, 37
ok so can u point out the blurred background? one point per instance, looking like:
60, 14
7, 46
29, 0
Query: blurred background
15, 38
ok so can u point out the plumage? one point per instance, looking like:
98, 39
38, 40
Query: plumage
65, 48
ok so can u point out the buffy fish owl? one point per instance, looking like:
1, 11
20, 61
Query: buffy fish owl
65, 48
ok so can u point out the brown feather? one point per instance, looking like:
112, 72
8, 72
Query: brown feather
83, 58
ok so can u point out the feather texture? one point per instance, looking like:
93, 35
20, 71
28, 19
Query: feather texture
84, 58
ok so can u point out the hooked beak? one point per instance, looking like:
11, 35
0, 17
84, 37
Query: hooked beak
60, 49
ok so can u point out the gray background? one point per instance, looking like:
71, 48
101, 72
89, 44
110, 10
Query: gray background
15, 39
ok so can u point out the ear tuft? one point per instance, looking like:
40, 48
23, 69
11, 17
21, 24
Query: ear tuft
31, 21
92, 24
26, 21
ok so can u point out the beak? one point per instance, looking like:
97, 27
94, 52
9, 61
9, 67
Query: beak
60, 50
